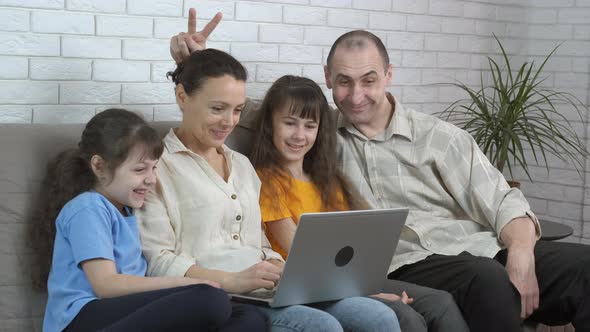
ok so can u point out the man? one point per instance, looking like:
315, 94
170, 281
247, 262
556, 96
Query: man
468, 233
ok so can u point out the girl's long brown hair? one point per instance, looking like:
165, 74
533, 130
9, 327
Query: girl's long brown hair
306, 100
110, 134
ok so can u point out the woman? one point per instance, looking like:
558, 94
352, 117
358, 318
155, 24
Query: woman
203, 220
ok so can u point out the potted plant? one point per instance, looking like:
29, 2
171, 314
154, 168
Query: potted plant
516, 112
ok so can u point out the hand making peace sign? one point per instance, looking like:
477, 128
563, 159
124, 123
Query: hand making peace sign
184, 43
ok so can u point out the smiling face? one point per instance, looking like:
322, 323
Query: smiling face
358, 78
128, 183
293, 136
210, 113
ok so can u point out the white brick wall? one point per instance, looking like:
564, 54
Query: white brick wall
29, 44
259, 12
60, 69
285, 34
121, 26
351, 19
305, 15
24, 92
146, 49
154, 7
62, 61
62, 22
89, 93
99, 6
62, 113
90, 47
271, 72
14, 20
235, 31
208, 8
14, 68
121, 71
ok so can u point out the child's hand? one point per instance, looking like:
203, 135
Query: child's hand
392, 297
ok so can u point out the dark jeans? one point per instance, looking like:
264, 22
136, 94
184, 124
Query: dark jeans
189, 308
490, 302
433, 310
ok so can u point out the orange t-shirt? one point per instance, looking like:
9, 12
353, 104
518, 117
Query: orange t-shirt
292, 198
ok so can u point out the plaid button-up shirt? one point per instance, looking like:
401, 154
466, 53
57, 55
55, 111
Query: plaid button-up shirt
458, 200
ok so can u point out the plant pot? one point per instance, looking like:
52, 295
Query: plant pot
514, 184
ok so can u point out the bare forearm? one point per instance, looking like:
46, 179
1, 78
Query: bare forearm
218, 276
123, 284
519, 233
283, 232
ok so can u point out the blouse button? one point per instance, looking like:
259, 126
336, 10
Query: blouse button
236, 237
238, 217
234, 196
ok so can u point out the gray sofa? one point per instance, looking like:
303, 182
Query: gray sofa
25, 151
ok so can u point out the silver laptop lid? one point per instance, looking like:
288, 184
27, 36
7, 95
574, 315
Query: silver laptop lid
335, 255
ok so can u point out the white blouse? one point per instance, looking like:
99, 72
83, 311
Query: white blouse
195, 217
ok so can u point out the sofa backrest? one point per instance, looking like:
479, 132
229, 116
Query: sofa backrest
25, 150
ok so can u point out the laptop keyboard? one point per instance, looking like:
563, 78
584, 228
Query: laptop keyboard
262, 293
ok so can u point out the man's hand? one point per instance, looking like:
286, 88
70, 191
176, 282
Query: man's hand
520, 238
183, 44
520, 266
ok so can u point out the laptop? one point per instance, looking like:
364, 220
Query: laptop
335, 255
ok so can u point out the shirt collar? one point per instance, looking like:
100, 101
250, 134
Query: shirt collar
398, 125
174, 145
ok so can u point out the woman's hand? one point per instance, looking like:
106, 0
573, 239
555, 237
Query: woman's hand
278, 263
261, 275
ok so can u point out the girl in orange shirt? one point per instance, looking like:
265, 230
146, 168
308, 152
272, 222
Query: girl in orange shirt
295, 156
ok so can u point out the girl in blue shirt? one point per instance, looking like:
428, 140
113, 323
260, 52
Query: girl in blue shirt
85, 222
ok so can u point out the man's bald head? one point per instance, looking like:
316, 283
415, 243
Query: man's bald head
358, 40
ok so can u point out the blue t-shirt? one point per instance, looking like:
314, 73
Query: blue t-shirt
87, 227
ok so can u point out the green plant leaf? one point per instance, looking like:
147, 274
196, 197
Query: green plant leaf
514, 114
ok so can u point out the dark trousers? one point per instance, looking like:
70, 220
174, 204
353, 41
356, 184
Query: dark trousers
490, 302
189, 308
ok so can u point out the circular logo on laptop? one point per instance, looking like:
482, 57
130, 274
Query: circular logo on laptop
344, 256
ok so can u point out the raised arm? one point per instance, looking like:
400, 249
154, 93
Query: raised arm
184, 43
